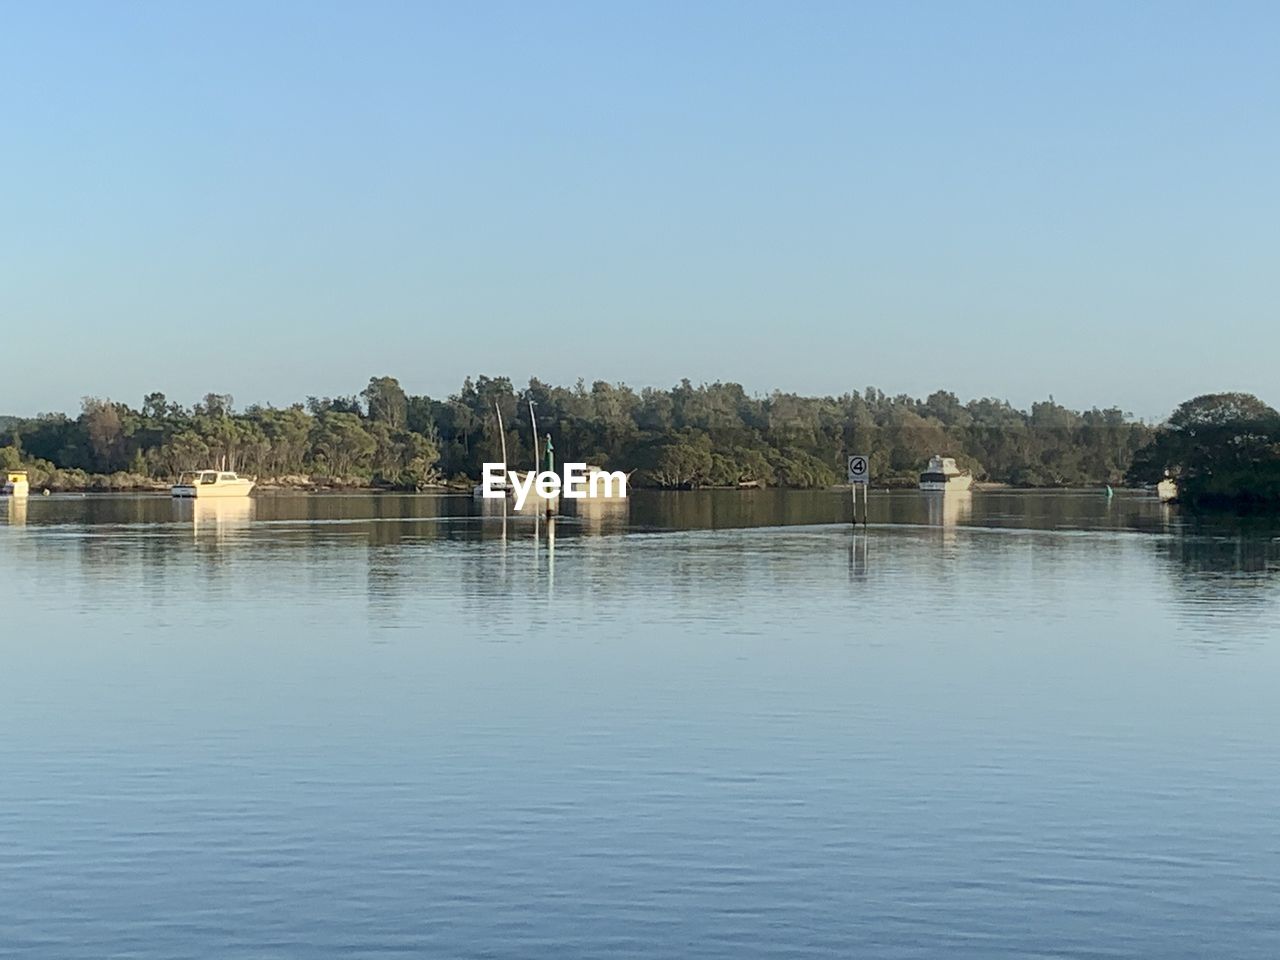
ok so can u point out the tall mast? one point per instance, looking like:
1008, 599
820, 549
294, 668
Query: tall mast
536, 452
502, 433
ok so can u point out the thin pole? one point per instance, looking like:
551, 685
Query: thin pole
502, 433
866, 503
536, 453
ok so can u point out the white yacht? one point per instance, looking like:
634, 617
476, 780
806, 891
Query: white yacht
605, 485
15, 485
211, 483
1167, 490
943, 474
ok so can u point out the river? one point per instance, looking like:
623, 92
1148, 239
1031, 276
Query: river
701, 725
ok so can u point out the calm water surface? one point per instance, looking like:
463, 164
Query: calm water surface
709, 725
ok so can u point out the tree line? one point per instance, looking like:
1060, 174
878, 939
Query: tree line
709, 435
1222, 449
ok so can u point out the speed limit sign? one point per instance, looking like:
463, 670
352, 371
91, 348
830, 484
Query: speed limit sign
859, 469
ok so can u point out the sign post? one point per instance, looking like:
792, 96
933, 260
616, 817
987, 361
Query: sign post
860, 476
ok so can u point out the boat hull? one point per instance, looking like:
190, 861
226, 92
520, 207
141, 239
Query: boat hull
963, 482
205, 491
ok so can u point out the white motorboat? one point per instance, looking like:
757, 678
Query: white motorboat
943, 474
211, 483
606, 485
1167, 490
15, 485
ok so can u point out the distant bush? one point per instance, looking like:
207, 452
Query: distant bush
1222, 449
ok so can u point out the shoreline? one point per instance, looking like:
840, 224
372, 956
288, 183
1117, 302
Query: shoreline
301, 484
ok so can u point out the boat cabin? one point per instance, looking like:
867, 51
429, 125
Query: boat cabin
15, 484
207, 477
940, 469
943, 474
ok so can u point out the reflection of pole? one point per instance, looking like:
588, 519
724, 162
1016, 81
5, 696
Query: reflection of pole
858, 556
551, 551
551, 467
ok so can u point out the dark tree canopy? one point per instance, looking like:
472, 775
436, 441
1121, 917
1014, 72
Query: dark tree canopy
1220, 447
1220, 409
386, 402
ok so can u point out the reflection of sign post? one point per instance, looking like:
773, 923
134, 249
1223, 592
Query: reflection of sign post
860, 476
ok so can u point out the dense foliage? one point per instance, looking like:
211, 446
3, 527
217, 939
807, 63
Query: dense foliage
688, 436
1221, 448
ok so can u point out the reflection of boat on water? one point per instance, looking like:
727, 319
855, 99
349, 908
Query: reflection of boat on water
217, 515
602, 514
16, 511
1167, 490
606, 506
15, 485
206, 484
942, 474
947, 508
534, 503
508, 492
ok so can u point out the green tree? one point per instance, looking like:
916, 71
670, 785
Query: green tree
386, 402
102, 426
342, 446
1222, 448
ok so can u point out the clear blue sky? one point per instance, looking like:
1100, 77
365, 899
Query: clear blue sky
276, 199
